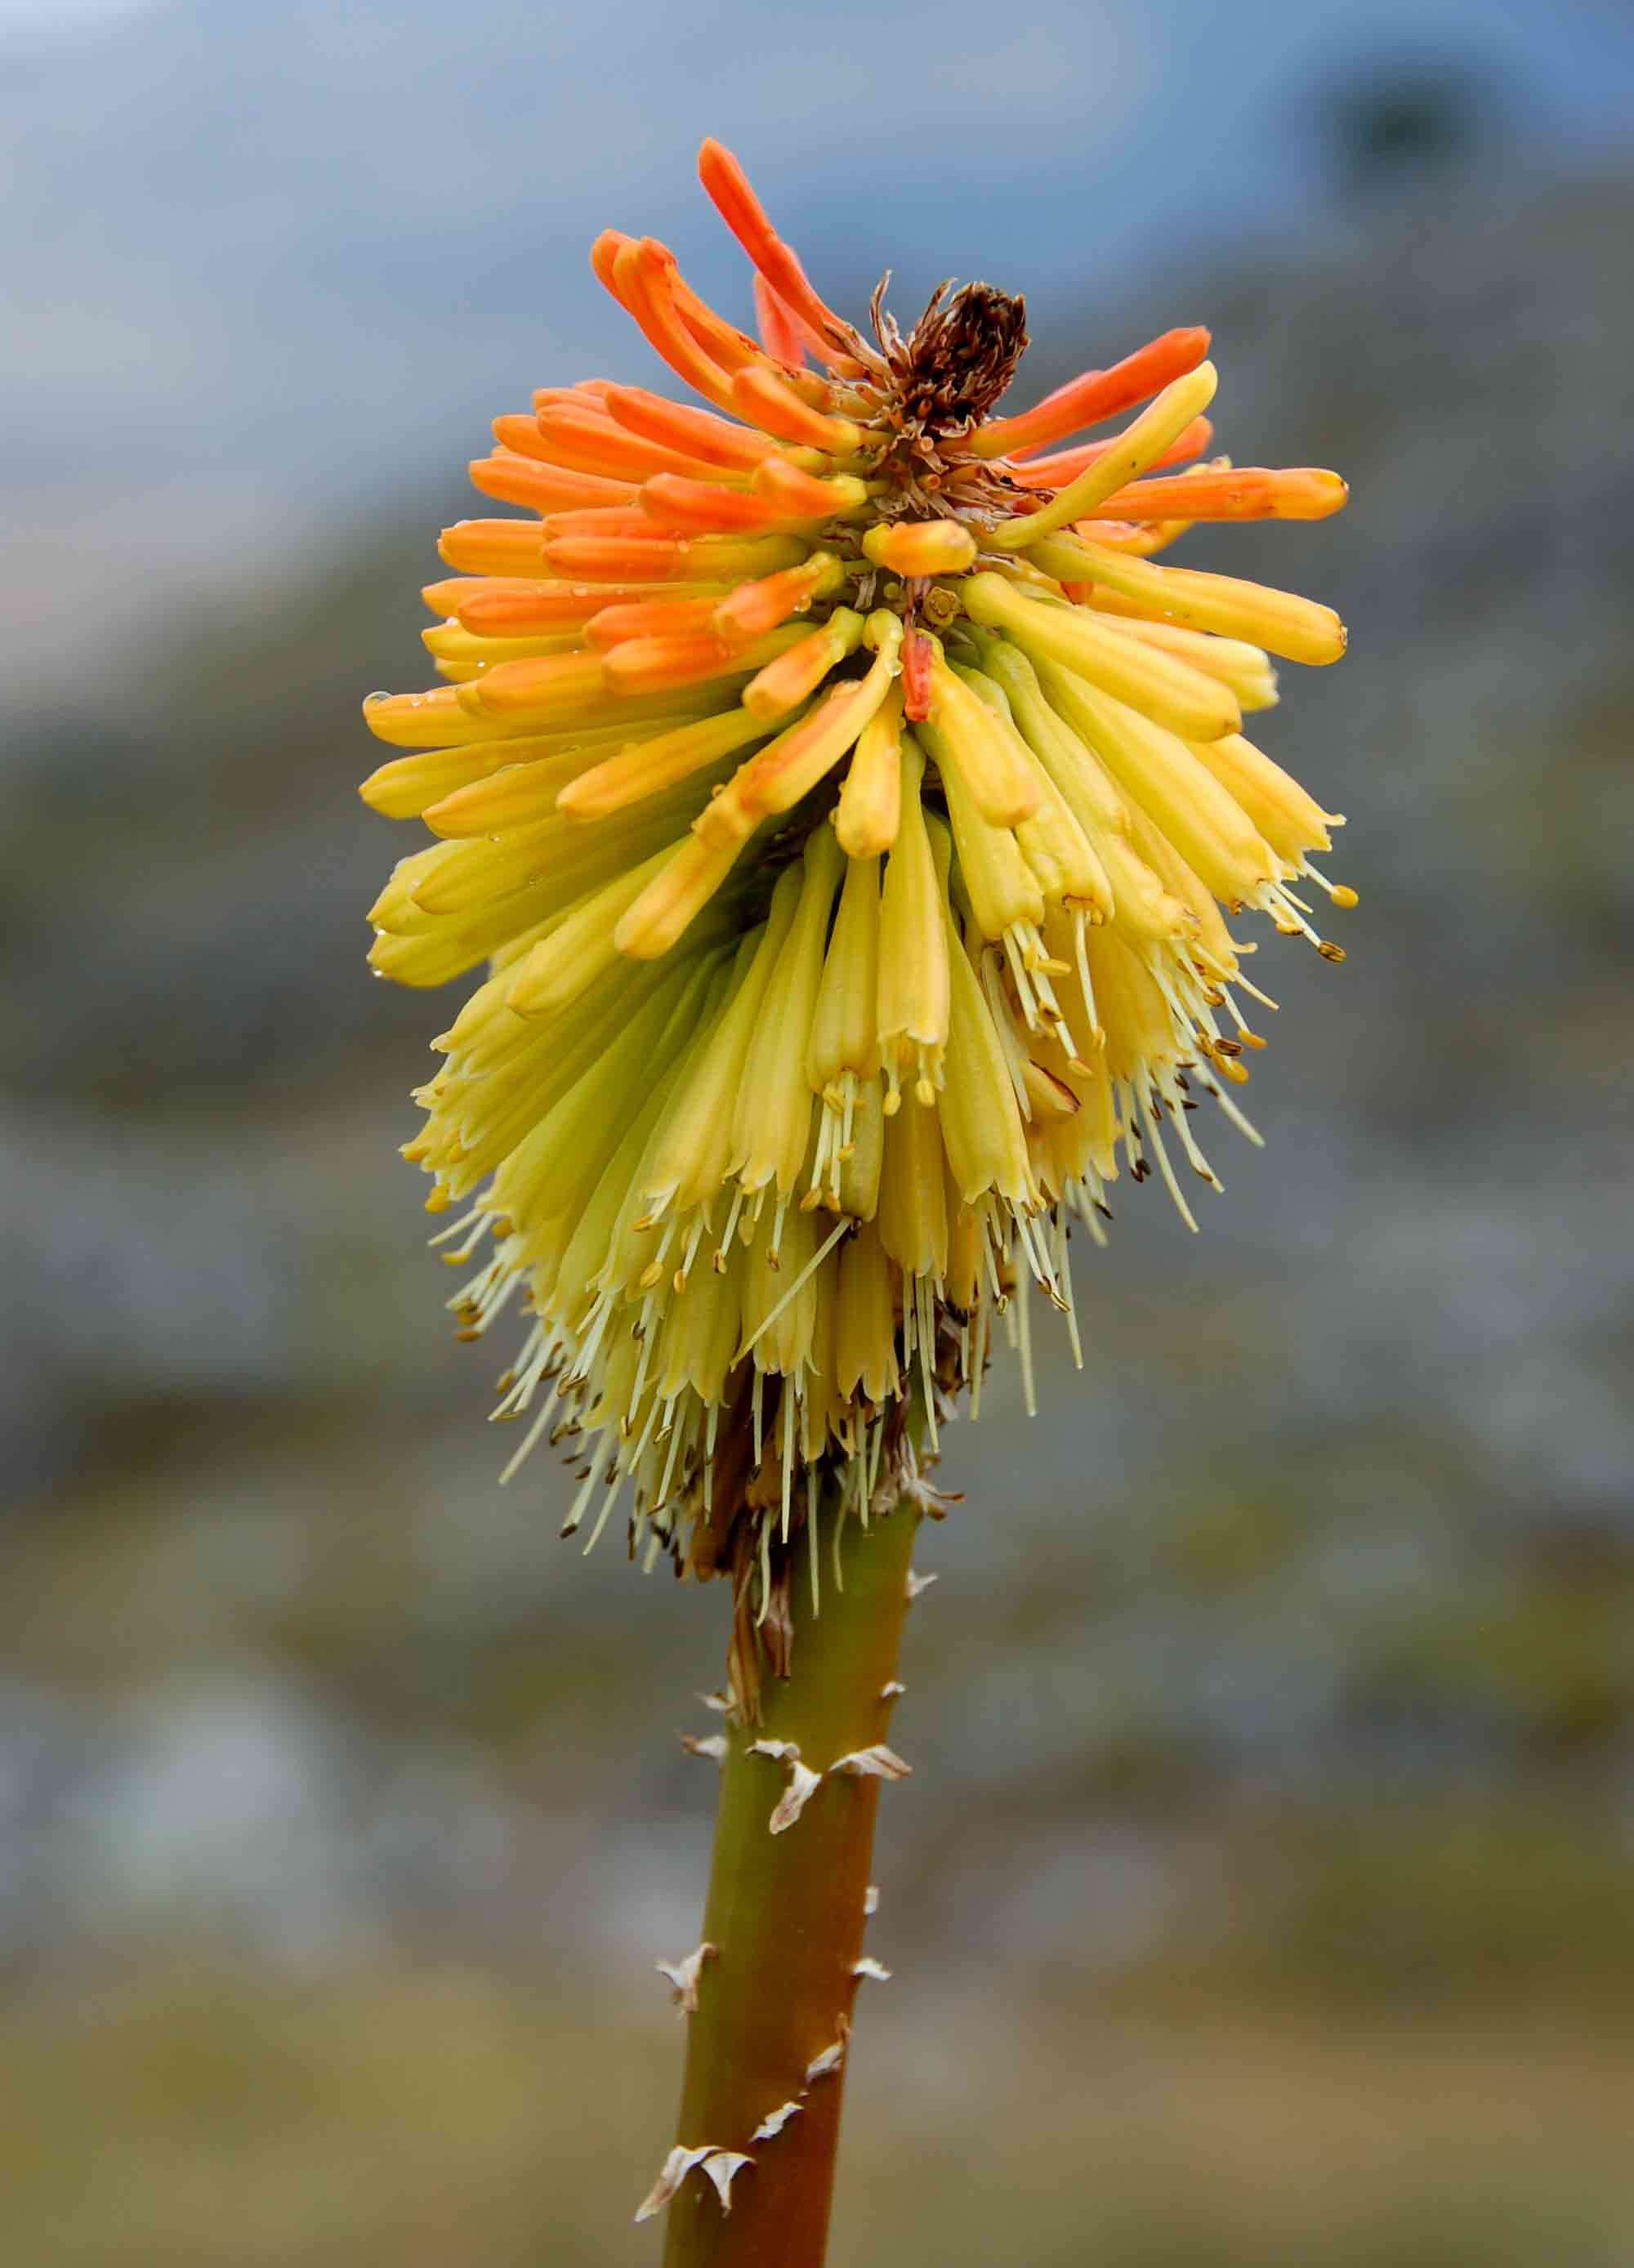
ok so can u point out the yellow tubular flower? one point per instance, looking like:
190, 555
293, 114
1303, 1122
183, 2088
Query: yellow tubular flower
849, 811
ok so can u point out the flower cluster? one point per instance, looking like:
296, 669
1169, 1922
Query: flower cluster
845, 807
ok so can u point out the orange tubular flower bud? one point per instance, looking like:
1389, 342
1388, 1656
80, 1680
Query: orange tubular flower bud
583, 394
520, 434
461, 652
1064, 464
1282, 621
801, 670
1243, 492
656, 617
1123, 535
604, 260
802, 496
781, 336
772, 404
695, 433
754, 607
442, 720
608, 521
653, 665
921, 547
498, 608
587, 440
790, 766
1097, 394
695, 508
723, 342
727, 185
658, 558
644, 274
494, 547
446, 598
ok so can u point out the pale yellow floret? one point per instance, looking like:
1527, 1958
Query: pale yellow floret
921, 547
844, 1032
871, 794
912, 1213
1137, 1019
396, 901
779, 1315
568, 962
502, 702
775, 691
982, 1128
1156, 769
438, 954
1003, 889
1140, 445
482, 1119
407, 785
510, 796
674, 896
550, 1177
462, 655
1169, 691
691, 1153
789, 767
771, 1123
1298, 628
865, 1333
862, 1155
1053, 844
479, 870
1291, 821
913, 950
429, 720
1143, 909
995, 768
644, 763
1246, 668
590, 1262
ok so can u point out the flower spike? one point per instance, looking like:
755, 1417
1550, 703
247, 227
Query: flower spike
848, 811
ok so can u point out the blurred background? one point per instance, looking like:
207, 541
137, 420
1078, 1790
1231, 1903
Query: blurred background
1264, 1892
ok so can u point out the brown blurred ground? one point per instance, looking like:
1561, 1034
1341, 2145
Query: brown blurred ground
194, 2119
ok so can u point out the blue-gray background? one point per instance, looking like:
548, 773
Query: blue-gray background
1262, 1891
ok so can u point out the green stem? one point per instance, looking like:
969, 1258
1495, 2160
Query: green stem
785, 1917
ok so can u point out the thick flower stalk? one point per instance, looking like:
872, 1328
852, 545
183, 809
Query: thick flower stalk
847, 812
